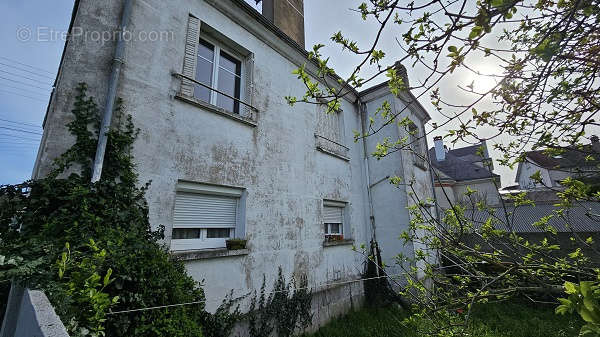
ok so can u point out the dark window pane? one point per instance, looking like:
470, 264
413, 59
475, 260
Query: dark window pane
229, 84
217, 233
186, 233
206, 50
204, 73
325, 227
335, 228
230, 63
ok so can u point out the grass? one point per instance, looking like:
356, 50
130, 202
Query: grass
491, 320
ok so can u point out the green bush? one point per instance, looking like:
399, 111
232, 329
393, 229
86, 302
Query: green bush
37, 219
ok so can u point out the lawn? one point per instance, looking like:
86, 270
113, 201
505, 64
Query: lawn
490, 320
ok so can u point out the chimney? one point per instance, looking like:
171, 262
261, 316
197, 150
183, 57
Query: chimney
440, 151
401, 70
595, 143
287, 15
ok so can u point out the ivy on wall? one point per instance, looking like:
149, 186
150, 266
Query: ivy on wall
90, 247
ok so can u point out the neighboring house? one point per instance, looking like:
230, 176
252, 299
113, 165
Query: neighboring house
240, 162
457, 169
573, 162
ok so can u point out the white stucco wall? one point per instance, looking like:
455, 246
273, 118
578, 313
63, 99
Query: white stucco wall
392, 217
276, 161
445, 196
484, 187
526, 170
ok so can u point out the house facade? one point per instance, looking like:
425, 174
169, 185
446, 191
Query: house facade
458, 169
227, 157
570, 162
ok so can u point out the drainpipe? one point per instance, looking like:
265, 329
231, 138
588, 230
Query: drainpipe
362, 109
113, 83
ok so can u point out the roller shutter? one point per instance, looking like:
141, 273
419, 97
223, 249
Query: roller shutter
332, 214
193, 210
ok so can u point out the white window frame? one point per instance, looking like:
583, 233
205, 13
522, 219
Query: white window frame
343, 225
218, 46
215, 190
202, 242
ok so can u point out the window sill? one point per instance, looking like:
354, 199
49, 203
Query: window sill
346, 242
331, 153
213, 108
203, 254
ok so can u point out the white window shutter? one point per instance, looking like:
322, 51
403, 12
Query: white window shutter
193, 210
249, 85
191, 55
333, 214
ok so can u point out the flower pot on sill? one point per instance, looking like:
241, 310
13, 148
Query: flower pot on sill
235, 244
334, 238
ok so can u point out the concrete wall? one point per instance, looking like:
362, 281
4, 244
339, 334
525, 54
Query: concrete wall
392, 217
445, 196
527, 169
276, 160
485, 189
30, 314
453, 192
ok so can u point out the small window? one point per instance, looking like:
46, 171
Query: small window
206, 216
330, 132
333, 222
219, 70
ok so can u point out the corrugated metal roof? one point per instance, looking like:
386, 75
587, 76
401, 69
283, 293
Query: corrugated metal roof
582, 218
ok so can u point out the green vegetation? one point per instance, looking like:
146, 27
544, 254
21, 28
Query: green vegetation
507, 319
90, 247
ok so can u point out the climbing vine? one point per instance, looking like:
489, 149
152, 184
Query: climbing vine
284, 310
90, 247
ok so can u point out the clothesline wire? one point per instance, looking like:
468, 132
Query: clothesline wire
238, 298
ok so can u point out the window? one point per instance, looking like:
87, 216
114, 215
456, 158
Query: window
333, 220
219, 63
206, 215
330, 132
416, 141
220, 70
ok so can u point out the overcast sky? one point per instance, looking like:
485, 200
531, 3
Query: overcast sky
27, 67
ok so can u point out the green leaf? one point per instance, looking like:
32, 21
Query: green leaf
570, 288
586, 288
475, 32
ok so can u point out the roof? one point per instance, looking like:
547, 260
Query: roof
572, 157
584, 218
459, 169
466, 151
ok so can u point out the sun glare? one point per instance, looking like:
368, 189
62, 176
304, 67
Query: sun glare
486, 78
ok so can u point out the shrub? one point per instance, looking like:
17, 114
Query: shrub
37, 219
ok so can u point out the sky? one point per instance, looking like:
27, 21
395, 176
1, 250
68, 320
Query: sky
32, 36
27, 70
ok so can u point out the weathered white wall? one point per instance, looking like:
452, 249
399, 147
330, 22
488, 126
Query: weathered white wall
484, 187
392, 217
445, 196
527, 170
276, 161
